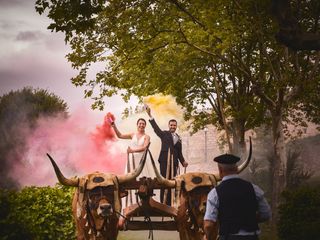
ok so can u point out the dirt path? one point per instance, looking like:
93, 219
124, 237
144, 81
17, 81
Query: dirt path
143, 235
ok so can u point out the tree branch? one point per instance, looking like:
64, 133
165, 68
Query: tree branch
256, 88
193, 18
290, 33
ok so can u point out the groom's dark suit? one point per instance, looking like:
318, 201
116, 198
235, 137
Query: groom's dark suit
175, 150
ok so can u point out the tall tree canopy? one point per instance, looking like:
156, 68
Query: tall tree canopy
222, 54
187, 49
19, 111
183, 48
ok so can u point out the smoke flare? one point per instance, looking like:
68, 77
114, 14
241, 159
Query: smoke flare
76, 147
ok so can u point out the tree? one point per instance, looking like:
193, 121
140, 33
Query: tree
180, 48
221, 54
288, 76
291, 33
19, 111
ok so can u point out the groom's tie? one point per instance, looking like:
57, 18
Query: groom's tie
175, 138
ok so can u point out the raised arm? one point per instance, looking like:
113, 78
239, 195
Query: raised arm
153, 123
119, 134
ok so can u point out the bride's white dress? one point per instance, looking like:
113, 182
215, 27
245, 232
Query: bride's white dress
134, 158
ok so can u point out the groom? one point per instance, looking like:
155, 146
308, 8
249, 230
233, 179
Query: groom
169, 140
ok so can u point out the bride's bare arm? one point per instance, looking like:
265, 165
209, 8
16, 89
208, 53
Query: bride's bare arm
142, 148
119, 134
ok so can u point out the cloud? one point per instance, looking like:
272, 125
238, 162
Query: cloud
5, 25
14, 3
29, 36
31, 55
37, 59
33, 61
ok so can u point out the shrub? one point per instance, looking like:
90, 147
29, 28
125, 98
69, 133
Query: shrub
300, 214
36, 213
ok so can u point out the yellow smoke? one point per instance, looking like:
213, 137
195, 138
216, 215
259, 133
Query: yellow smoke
164, 107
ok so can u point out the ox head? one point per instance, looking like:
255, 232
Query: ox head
170, 183
96, 202
192, 190
192, 200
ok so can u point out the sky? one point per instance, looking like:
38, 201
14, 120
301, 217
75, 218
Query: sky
32, 55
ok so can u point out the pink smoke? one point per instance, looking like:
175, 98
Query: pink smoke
74, 145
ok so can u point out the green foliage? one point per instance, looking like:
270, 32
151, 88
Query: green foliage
296, 173
10, 229
300, 214
182, 47
168, 47
179, 48
192, 49
19, 112
71, 16
299, 170
36, 213
29, 104
311, 105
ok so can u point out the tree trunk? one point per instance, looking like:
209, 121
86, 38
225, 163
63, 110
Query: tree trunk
238, 137
278, 164
221, 109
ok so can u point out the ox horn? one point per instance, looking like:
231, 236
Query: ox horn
243, 165
246, 163
135, 173
61, 178
161, 179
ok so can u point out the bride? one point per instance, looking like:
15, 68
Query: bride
139, 142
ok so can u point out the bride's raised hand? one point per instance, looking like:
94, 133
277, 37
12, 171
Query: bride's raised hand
109, 118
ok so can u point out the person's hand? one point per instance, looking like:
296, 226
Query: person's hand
108, 121
185, 164
129, 150
148, 110
109, 118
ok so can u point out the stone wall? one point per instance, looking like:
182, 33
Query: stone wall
200, 148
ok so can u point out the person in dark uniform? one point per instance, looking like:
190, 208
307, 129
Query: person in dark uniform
237, 204
170, 141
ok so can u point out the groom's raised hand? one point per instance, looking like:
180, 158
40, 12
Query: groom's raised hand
148, 110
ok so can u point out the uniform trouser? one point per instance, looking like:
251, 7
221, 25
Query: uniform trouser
239, 237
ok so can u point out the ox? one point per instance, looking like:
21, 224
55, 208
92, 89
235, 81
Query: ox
96, 203
191, 197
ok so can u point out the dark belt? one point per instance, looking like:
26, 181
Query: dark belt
238, 237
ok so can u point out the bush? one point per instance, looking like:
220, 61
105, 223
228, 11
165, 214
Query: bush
10, 229
19, 112
36, 213
300, 214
